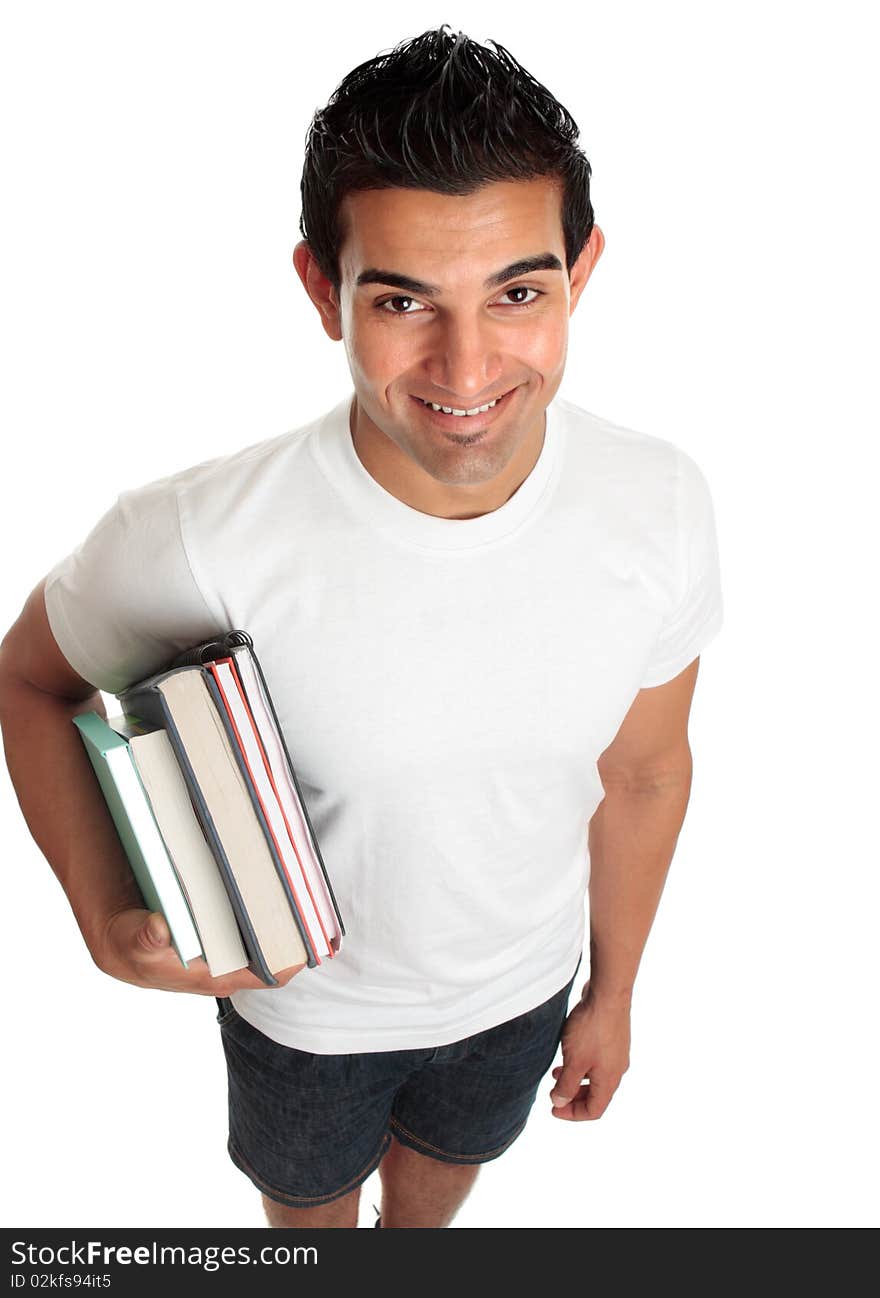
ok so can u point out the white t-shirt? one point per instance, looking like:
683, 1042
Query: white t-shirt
446, 687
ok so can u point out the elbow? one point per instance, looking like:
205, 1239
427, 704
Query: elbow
670, 777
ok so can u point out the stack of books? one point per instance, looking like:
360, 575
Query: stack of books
199, 782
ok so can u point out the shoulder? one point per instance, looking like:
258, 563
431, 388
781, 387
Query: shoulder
626, 471
264, 459
618, 446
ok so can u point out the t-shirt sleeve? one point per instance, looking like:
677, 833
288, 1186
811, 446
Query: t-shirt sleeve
697, 615
125, 601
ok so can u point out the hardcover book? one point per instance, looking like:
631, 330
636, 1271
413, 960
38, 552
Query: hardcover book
138, 831
214, 707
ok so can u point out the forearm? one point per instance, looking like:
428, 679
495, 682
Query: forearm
63, 804
632, 838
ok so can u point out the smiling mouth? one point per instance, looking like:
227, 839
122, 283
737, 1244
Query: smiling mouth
464, 428
460, 413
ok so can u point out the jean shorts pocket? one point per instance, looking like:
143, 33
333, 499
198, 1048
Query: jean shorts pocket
225, 1010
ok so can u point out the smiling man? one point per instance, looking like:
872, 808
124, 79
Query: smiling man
480, 609
453, 368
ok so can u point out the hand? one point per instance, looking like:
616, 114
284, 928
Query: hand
595, 1048
137, 949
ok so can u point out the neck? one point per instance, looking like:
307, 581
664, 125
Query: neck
404, 477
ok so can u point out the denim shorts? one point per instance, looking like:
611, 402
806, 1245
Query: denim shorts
307, 1129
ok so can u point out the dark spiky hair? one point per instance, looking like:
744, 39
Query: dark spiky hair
443, 113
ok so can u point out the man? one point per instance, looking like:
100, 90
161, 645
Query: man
480, 611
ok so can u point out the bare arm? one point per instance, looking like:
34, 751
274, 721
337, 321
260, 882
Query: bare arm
61, 801
634, 832
646, 773
53, 779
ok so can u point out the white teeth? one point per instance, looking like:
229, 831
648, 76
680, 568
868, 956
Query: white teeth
449, 410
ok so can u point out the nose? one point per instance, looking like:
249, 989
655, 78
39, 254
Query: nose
466, 362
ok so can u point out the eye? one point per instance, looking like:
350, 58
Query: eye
523, 288
381, 306
386, 303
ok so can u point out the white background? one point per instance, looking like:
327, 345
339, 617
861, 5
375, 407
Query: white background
151, 319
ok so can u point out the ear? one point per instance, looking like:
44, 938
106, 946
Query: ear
583, 267
319, 289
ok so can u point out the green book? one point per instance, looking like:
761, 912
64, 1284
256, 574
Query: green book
138, 832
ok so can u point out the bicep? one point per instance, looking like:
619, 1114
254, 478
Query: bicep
652, 742
30, 653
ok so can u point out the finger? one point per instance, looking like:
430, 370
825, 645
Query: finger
155, 956
597, 1098
567, 1082
152, 936
590, 1102
154, 933
245, 980
575, 1110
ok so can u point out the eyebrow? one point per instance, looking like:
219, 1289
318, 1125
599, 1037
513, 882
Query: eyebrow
525, 266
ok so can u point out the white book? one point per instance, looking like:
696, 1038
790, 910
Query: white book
278, 814
293, 811
139, 833
191, 856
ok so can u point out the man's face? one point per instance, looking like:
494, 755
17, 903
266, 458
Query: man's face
432, 307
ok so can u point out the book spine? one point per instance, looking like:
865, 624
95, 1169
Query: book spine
151, 705
199, 654
281, 869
